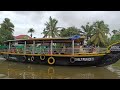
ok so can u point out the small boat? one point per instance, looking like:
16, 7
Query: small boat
59, 51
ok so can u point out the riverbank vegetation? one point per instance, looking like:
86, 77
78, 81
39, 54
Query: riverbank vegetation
97, 33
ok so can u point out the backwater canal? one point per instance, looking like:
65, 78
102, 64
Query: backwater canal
16, 70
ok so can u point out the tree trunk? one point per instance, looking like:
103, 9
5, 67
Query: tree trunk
31, 35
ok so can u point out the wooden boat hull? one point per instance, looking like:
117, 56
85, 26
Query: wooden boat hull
57, 60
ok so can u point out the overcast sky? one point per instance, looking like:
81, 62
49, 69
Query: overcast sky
23, 20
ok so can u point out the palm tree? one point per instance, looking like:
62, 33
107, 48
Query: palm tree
7, 25
100, 33
87, 30
6, 30
98, 37
31, 30
51, 29
104, 27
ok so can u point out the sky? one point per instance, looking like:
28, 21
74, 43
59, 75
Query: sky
24, 20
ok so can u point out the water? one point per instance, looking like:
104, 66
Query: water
15, 70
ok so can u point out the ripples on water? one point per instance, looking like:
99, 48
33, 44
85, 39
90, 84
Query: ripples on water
14, 70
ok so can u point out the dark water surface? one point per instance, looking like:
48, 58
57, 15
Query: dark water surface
15, 70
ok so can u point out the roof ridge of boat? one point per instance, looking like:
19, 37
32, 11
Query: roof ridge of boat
58, 38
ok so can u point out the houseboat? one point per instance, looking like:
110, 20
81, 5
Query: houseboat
59, 51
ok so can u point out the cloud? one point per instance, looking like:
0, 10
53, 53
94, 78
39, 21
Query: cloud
23, 20
76, 18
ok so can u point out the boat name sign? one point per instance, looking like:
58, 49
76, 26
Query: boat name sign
84, 59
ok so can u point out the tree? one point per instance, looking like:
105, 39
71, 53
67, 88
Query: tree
31, 30
115, 38
88, 29
7, 25
100, 33
115, 31
51, 29
6, 30
70, 31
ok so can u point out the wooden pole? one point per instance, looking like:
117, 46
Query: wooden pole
25, 48
51, 48
33, 47
9, 47
73, 47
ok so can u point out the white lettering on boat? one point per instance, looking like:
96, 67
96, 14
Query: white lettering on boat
84, 59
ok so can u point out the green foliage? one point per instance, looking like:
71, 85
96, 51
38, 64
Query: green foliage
59, 45
115, 38
51, 29
6, 30
31, 30
70, 31
100, 33
96, 33
88, 30
115, 31
7, 25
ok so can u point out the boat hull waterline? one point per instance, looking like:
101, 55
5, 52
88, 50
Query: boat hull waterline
96, 60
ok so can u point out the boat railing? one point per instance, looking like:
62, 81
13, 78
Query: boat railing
3, 48
76, 50
97, 50
29, 50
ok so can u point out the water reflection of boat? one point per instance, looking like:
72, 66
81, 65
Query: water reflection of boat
31, 71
